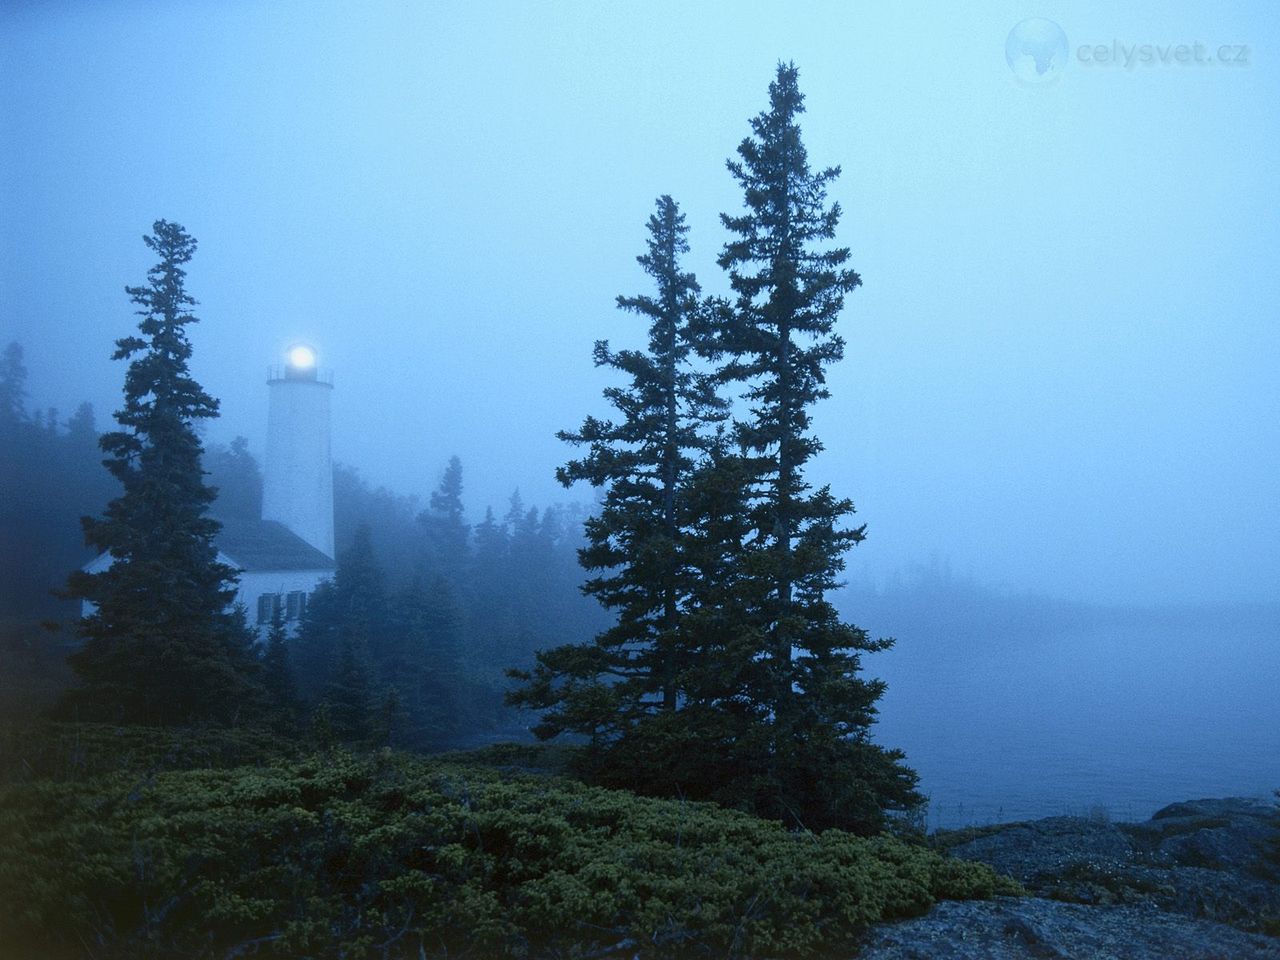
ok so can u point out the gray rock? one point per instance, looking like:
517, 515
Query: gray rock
1202, 859
1215, 834
1052, 847
1037, 929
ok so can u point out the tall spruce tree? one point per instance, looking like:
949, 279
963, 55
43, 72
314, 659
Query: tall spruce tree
636, 543
360, 590
277, 671
815, 760
347, 706
489, 587
314, 653
162, 643
237, 478
348, 611
448, 535
13, 389
427, 672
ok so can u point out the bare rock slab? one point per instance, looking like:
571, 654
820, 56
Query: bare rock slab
1033, 928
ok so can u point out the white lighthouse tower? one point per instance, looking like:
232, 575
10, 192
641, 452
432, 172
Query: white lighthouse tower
297, 486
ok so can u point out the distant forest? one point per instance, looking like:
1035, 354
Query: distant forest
514, 578
514, 581
510, 582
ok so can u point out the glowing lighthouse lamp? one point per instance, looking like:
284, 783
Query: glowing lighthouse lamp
300, 362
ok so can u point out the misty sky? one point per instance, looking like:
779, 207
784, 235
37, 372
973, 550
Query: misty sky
1061, 368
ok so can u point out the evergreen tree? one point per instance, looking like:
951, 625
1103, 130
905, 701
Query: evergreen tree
425, 620
162, 644
22, 452
360, 590
778, 338
236, 477
348, 698
441, 628
522, 575
490, 543
315, 649
492, 618
636, 544
277, 673
13, 388
48, 481
386, 726
517, 518
82, 428
348, 612
445, 526
394, 534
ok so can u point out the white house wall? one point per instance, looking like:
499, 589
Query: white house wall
252, 584
283, 582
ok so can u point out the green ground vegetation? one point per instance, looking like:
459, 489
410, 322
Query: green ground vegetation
121, 843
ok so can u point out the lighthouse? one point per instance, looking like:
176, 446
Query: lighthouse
298, 469
281, 558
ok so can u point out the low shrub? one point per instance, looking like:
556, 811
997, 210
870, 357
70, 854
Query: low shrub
391, 855
79, 751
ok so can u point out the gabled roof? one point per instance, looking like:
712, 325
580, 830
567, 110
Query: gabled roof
252, 545
268, 545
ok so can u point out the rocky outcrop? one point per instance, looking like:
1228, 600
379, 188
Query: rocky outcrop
1191, 882
1032, 928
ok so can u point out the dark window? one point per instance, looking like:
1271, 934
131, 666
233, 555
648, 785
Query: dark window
268, 604
295, 604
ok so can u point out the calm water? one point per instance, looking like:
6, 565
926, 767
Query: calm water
1122, 715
